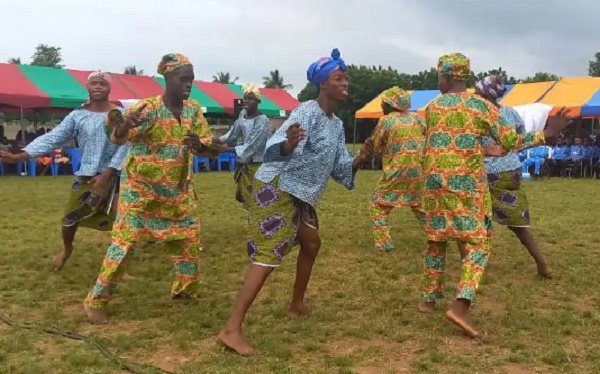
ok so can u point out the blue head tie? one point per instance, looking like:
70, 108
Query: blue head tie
319, 71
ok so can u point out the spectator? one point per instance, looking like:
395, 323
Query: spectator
537, 158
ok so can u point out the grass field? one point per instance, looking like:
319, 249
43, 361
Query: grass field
364, 302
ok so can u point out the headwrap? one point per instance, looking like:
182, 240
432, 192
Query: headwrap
397, 98
492, 87
455, 65
172, 62
101, 74
319, 71
252, 88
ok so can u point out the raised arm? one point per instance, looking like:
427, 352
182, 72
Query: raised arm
255, 141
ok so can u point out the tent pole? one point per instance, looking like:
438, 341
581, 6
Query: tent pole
23, 137
354, 138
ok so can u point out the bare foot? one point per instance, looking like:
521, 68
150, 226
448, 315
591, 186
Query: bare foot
126, 277
462, 320
182, 296
235, 340
426, 307
297, 311
544, 271
95, 316
59, 261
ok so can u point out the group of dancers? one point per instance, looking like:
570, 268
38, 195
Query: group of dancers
435, 164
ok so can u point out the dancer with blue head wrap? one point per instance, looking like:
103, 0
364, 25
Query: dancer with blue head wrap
300, 158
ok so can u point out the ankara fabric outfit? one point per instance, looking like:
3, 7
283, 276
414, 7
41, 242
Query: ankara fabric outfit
157, 199
456, 199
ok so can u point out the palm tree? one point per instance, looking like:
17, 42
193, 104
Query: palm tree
224, 78
132, 70
14, 60
275, 80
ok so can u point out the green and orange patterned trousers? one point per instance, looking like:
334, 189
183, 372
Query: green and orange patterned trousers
380, 224
184, 254
473, 266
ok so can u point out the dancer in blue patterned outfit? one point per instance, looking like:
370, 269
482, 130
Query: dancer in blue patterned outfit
301, 156
96, 184
510, 206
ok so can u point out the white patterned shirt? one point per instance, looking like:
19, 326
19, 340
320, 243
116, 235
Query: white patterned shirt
255, 132
304, 174
90, 131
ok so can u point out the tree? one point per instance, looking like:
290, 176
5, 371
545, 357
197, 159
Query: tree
15, 60
224, 78
541, 77
500, 72
275, 80
46, 55
132, 70
594, 69
425, 80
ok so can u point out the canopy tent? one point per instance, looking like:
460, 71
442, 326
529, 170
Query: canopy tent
37, 87
581, 96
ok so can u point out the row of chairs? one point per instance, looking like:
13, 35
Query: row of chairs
74, 155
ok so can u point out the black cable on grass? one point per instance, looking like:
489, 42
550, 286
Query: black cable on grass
131, 367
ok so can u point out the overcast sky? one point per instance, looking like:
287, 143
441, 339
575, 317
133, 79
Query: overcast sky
249, 38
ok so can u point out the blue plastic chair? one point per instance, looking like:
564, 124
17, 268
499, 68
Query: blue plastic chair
32, 168
75, 156
2, 168
201, 160
224, 157
20, 167
232, 161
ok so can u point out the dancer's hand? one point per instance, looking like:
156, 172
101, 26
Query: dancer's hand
135, 118
13, 158
556, 124
295, 134
101, 182
193, 141
494, 150
367, 151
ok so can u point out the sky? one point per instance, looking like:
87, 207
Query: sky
250, 38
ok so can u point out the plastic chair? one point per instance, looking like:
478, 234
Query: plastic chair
224, 157
21, 166
32, 168
75, 155
201, 160
2, 168
232, 161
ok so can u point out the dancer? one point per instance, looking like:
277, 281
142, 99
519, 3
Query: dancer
510, 206
254, 127
97, 181
300, 158
399, 137
456, 198
157, 199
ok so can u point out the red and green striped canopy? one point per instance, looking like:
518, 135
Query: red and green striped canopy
29, 87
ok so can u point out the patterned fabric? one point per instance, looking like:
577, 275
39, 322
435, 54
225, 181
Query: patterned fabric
400, 138
456, 199
319, 71
255, 132
101, 74
243, 176
88, 209
172, 62
455, 65
184, 254
97, 152
157, 199
380, 224
509, 202
491, 87
273, 219
510, 161
396, 98
252, 88
322, 155
473, 267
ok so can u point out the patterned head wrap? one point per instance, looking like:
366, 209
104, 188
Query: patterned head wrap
492, 87
252, 88
397, 98
105, 76
455, 65
172, 62
319, 71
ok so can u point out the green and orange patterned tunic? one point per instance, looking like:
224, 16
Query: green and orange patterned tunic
157, 198
456, 197
400, 138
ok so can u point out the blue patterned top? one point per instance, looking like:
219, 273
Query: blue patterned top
511, 161
254, 131
323, 154
89, 129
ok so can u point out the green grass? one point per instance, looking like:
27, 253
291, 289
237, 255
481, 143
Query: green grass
364, 302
